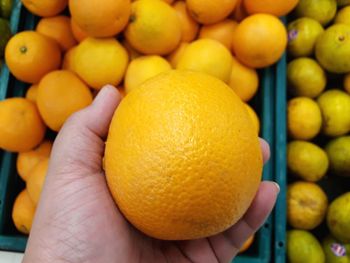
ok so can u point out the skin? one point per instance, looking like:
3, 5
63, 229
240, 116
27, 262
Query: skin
78, 221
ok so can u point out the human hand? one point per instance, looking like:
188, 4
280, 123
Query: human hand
77, 220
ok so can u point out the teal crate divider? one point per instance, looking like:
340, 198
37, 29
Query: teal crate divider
11, 184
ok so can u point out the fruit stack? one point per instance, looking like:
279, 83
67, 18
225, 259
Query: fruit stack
5, 32
79, 46
318, 153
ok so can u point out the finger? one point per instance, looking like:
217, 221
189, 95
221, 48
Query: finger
265, 148
80, 143
227, 244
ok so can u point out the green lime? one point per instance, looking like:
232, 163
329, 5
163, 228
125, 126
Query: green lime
321, 10
336, 252
338, 151
6, 8
5, 33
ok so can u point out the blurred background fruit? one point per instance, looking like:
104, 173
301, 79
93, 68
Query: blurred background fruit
45, 8
36, 179
23, 212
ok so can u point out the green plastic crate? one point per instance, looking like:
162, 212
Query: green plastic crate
11, 184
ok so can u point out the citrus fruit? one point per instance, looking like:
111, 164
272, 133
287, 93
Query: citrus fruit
36, 179
306, 77
32, 92
68, 59
5, 33
21, 127
6, 8
264, 29
100, 20
254, 117
306, 205
222, 32
154, 27
273, 7
321, 10
45, 8
343, 16
243, 80
343, 2
174, 56
239, 13
60, 94
335, 108
302, 35
133, 53
210, 12
31, 55
207, 56
304, 118
338, 218
100, 62
306, 160
23, 212
58, 28
338, 151
347, 83
162, 138
189, 26
247, 244
333, 49
142, 69
27, 160
78, 33
335, 251
303, 247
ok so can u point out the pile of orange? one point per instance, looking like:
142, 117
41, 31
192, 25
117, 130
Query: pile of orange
125, 43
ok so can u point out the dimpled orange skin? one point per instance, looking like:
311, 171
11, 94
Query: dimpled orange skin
182, 158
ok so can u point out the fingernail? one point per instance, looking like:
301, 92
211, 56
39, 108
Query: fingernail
278, 187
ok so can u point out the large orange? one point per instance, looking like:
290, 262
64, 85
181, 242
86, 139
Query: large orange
60, 94
209, 11
21, 127
36, 179
45, 7
27, 160
58, 28
273, 7
260, 40
31, 55
189, 26
222, 32
23, 212
177, 169
100, 19
154, 27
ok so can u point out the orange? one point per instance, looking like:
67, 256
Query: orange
306, 205
189, 26
162, 138
174, 56
36, 179
254, 117
243, 80
58, 28
154, 27
209, 11
273, 7
347, 83
222, 32
23, 212
31, 55
98, 19
239, 13
99, 62
21, 127
260, 40
27, 160
247, 244
60, 94
67, 62
169, 1
133, 53
45, 7
121, 90
78, 33
32, 92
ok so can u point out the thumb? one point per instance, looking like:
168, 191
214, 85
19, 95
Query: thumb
79, 146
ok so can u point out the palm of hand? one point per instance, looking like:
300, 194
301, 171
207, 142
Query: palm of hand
77, 220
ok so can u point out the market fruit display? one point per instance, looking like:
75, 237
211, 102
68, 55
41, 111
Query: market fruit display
318, 71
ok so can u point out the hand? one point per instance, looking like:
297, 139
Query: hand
78, 221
